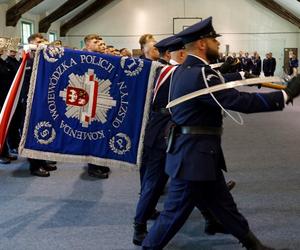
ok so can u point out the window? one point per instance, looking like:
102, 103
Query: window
52, 37
27, 30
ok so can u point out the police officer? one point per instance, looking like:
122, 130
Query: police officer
154, 155
164, 57
164, 53
293, 65
195, 159
269, 65
247, 63
152, 175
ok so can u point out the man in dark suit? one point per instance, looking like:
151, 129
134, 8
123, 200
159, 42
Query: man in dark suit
247, 62
269, 65
273, 64
14, 137
5, 73
195, 158
256, 66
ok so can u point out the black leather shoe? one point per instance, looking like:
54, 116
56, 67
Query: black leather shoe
48, 167
155, 215
12, 157
41, 172
251, 242
51, 162
4, 160
140, 233
97, 173
213, 227
104, 169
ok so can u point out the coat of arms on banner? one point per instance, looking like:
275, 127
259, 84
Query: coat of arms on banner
87, 107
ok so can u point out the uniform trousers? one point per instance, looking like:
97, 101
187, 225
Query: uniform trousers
153, 183
181, 199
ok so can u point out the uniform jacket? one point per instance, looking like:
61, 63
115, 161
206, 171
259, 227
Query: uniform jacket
196, 157
4, 80
269, 66
26, 81
156, 129
247, 64
256, 68
13, 64
157, 123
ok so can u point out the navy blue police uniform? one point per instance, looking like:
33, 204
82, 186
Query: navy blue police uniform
256, 68
269, 66
158, 119
195, 160
154, 156
247, 64
153, 176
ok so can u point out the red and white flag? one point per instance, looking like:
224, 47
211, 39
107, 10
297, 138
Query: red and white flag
11, 101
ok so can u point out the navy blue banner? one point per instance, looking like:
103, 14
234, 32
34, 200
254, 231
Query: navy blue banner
87, 107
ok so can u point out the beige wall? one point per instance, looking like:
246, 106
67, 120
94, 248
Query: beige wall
245, 24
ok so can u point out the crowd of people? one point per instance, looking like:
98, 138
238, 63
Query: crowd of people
193, 157
253, 63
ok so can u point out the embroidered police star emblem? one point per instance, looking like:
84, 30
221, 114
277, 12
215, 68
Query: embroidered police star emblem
87, 98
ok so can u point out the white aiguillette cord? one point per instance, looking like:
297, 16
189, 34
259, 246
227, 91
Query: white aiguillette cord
241, 121
223, 86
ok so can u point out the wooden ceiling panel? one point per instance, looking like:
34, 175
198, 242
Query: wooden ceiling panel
280, 11
64, 9
14, 13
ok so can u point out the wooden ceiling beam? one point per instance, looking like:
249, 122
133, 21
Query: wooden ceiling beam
83, 15
280, 11
64, 9
14, 13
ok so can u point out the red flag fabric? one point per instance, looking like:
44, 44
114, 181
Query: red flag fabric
11, 101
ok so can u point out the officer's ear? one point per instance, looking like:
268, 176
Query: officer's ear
201, 44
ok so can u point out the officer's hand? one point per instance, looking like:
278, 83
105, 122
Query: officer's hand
293, 88
248, 75
227, 65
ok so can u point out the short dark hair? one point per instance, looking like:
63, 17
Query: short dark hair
34, 36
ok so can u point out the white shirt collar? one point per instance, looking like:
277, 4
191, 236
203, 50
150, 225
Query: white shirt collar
173, 62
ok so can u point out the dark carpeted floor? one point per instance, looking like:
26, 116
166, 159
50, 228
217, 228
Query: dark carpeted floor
70, 210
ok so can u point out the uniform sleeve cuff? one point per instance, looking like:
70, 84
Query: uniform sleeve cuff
242, 73
285, 96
